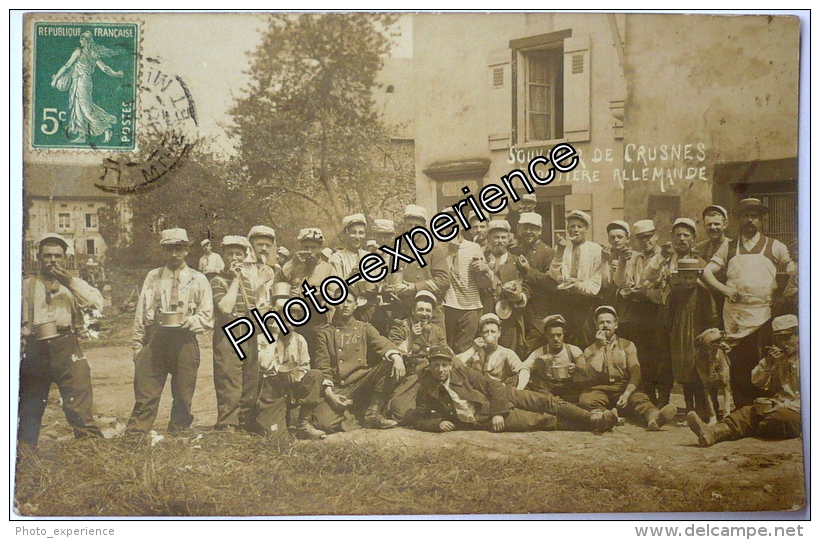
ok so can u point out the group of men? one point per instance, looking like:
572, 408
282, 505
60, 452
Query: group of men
496, 332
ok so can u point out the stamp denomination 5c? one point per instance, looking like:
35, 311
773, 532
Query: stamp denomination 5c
85, 85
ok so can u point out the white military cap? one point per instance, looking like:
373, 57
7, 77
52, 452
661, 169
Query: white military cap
205, 242
311, 233
414, 210
530, 218
529, 197
235, 240
174, 237
53, 237
784, 323
717, 208
427, 296
618, 224
644, 226
283, 251
489, 317
605, 309
261, 230
499, 224
579, 214
353, 219
685, 222
383, 226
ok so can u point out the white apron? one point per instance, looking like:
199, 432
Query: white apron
754, 276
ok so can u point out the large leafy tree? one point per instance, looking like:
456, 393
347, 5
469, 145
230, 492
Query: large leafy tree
310, 146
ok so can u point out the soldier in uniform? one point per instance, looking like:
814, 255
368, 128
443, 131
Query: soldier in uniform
174, 306
52, 318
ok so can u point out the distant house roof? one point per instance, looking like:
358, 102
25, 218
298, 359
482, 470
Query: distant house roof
62, 181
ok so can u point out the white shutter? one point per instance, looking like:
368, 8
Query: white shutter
498, 109
576, 89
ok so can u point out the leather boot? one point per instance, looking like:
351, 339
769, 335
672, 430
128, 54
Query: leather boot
708, 435
657, 419
373, 417
304, 429
573, 417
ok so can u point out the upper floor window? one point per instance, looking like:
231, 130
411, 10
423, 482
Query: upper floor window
91, 221
64, 220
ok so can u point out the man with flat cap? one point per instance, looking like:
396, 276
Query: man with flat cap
578, 271
715, 221
534, 258
53, 301
175, 305
210, 263
456, 397
751, 263
345, 261
777, 414
236, 380
526, 204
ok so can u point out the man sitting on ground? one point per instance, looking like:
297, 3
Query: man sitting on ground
553, 366
611, 363
454, 397
488, 357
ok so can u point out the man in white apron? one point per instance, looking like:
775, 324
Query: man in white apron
751, 263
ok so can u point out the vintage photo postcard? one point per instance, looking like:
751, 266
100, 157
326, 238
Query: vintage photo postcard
353, 263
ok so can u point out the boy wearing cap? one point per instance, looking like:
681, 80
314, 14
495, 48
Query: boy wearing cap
162, 344
690, 310
52, 317
434, 277
776, 416
345, 261
534, 259
415, 336
210, 263
360, 368
715, 221
611, 363
752, 262
456, 397
236, 381
509, 295
578, 270
284, 367
546, 362
616, 258
487, 356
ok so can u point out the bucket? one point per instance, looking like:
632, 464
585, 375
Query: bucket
46, 330
171, 319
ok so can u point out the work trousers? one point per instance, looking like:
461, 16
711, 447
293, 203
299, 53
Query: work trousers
236, 381
605, 397
57, 360
169, 351
755, 421
652, 344
743, 358
269, 415
577, 310
461, 327
374, 387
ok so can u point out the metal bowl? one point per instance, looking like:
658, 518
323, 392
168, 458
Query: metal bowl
171, 319
46, 330
560, 373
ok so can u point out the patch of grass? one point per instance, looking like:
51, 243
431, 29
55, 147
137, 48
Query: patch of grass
242, 475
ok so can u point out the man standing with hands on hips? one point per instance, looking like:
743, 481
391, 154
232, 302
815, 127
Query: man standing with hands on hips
175, 304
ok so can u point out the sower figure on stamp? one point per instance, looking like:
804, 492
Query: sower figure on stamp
210, 263
751, 263
52, 318
553, 366
360, 368
286, 376
577, 270
534, 258
456, 397
175, 305
236, 380
488, 357
775, 416
415, 336
611, 363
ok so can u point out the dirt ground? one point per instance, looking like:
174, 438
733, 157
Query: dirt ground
749, 474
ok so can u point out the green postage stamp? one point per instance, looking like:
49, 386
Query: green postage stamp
84, 85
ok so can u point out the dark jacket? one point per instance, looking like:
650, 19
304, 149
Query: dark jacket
538, 279
342, 350
434, 404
